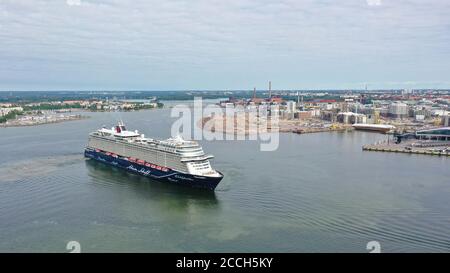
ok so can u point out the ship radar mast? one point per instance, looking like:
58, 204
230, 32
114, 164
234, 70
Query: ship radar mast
120, 127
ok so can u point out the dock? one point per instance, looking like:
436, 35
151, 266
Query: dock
408, 148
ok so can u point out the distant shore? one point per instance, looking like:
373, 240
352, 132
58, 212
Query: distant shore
36, 122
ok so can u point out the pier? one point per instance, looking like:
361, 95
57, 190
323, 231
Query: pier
411, 147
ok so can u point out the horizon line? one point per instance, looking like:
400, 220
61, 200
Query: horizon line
225, 90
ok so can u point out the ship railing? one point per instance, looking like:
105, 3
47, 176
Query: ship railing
197, 158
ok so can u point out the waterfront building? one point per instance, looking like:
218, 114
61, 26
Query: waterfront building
287, 114
328, 115
442, 133
358, 108
446, 120
422, 111
304, 114
398, 110
291, 106
326, 104
351, 118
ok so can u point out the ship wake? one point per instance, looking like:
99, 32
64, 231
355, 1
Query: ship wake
40, 166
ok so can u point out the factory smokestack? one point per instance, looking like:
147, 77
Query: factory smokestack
270, 89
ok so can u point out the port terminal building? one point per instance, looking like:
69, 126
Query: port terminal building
442, 133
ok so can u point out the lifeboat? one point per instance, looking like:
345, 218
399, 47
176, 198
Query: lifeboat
140, 161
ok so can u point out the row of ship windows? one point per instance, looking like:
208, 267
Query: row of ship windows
190, 153
201, 164
201, 167
196, 149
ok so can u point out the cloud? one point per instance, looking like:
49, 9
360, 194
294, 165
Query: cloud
73, 2
212, 44
374, 2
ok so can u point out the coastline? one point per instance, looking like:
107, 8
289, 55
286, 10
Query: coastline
17, 123
56, 119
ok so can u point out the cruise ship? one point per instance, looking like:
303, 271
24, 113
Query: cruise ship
174, 160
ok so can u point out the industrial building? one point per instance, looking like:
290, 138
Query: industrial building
291, 106
442, 133
446, 121
351, 118
398, 110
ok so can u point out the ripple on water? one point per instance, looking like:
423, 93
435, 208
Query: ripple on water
315, 206
42, 188
36, 167
289, 201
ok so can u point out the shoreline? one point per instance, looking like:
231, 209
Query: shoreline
407, 147
73, 117
5, 125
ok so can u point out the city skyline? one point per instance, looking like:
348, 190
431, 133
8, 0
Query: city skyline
208, 45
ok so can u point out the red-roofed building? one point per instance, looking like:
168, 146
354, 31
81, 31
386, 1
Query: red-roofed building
276, 99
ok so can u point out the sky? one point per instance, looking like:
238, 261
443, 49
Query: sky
223, 45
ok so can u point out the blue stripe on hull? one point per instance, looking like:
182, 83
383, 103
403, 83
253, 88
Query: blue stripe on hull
170, 176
